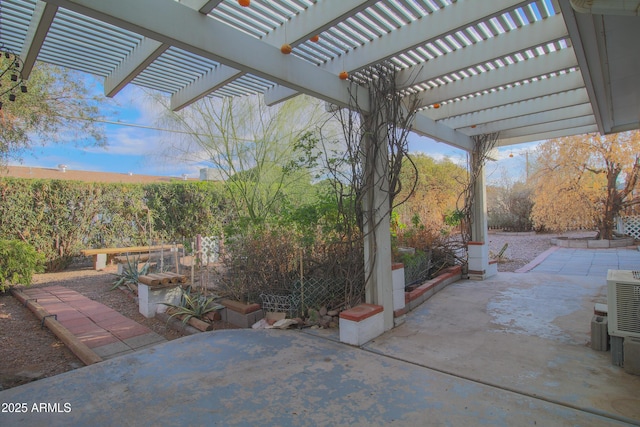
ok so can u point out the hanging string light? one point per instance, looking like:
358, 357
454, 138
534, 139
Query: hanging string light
11, 81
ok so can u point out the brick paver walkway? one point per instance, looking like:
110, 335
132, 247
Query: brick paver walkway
104, 330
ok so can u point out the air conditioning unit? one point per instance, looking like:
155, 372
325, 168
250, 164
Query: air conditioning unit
623, 300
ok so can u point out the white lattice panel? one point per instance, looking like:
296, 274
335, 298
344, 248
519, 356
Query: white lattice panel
209, 249
631, 226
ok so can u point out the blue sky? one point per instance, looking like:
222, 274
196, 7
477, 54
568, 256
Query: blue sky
134, 146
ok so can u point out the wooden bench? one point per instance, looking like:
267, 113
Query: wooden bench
100, 255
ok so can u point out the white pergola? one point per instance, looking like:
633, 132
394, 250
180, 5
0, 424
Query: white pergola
530, 70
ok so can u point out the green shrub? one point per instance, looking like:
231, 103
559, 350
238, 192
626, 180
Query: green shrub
18, 262
60, 218
131, 273
193, 305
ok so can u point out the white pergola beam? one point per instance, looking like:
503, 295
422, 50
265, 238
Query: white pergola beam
448, 20
316, 19
534, 67
523, 38
148, 51
424, 126
538, 129
41, 20
177, 25
534, 89
428, 29
202, 6
542, 116
140, 58
278, 94
519, 109
206, 84
503, 142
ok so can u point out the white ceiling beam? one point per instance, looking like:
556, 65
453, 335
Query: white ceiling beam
541, 128
447, 20
541, 116
208, 6
145, 53
518, 109
581, 130
587, 35
41, 20
428, 29
206, 84
531, 90
424, 126
278, 94
607, 7
141, 57
521, 39
317, 18
177, 25
202, 6
530, 68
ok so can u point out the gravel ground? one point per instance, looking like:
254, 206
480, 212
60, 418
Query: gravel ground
523, 248
29, 352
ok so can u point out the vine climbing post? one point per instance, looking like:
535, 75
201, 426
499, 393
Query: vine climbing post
376, 218
376, 149
475, 208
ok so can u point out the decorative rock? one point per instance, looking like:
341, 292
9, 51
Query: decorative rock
333, 313
323, 311
313, 316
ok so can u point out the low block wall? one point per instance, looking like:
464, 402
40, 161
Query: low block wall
149, 297
564, 242
240, 314
425, 291
361, 324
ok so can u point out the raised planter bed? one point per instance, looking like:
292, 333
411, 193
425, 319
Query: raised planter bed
586, 243
240, 314
419, 294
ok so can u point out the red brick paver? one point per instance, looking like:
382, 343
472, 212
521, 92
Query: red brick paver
99, 327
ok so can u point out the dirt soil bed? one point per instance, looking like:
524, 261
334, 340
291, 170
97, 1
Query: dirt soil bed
29, 352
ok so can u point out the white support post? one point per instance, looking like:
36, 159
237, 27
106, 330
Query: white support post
478, 248
377, 241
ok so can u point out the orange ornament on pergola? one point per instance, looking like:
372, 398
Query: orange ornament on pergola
343, 75
244, 3
286, 49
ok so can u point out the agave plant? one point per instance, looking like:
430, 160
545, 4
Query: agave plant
193, 305
130, 273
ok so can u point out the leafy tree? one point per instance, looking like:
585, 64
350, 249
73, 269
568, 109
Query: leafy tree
252, 146
509, 204
586, 181
58, 104
436, 191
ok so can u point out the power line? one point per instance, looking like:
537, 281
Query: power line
135, 125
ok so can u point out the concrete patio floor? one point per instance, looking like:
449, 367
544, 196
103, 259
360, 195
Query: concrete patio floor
511, 350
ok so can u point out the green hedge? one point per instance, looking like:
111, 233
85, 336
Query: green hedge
18, 262
59, 218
